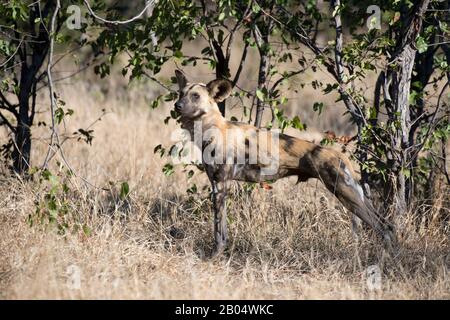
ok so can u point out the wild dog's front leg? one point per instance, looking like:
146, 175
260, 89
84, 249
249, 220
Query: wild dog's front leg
220, 215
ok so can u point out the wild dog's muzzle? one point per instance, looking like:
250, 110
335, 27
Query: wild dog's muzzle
178, 106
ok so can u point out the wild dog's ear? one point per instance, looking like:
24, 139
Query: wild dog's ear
219, 89
181, 79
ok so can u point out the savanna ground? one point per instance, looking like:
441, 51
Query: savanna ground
291, 242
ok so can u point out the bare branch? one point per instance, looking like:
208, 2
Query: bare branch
33, 102
261, 41
52, 36
377, 96
74, 73
290, 75
12, 55
8, 124
77, 135
432, 124
444, 155
306, 41
245, 15
241, 64
339, 40
158, 82
5, 101
153, 78
340, 65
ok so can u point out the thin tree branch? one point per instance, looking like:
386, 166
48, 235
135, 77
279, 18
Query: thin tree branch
444, 154
6, 102
305, 40
245, 15
158, 82
261, 42
290, 75
33, 102
432, 124
52, 36
241, 64
8, 124
12, 55
65, 77
340, 64
77, 135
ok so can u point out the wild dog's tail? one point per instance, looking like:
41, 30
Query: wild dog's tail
337, 174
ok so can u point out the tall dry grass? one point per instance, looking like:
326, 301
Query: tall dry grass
293, 242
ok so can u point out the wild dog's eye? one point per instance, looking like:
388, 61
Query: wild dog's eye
195, 96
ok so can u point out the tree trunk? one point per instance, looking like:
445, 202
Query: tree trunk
402, 85
22, 145
399, 73
22, 148
32, 56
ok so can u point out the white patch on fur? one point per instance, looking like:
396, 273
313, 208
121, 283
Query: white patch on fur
348, 177
360, 191
351, 182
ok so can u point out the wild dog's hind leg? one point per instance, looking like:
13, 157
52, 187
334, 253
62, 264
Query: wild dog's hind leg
338, 178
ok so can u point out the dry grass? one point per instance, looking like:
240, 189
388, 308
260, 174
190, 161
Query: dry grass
294, 242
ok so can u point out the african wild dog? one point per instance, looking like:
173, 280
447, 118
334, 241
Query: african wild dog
284, 156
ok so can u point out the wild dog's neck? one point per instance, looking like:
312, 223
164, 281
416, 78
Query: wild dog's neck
207, 121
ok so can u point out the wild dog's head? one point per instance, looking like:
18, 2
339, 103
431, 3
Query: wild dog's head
198, 99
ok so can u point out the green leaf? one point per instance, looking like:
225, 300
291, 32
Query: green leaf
337, 10
124, 190
260, 94
59, 115
46, 174
168, 169
421, 45
373, 113
443, 26
155, 103
192, 189
255, 7
297, 124
330, 87
318, 107
406, 172
178, 54
87, 231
